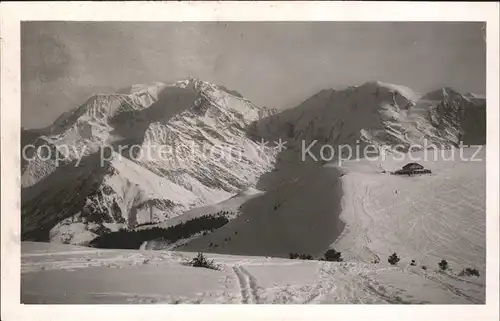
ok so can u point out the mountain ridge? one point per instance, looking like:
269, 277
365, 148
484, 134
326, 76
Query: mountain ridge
157, 116
192, 112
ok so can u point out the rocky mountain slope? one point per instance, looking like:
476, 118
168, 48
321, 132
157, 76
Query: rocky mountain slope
147, 153
381, 114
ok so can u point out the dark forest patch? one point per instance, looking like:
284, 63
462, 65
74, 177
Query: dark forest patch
125, 239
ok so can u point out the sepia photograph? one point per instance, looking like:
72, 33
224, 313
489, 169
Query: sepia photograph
252, 162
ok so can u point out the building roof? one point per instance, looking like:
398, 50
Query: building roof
413, 166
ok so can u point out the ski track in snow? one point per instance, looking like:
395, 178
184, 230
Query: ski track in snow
452, 289
252, 284
246, 285
155, 277
320, 289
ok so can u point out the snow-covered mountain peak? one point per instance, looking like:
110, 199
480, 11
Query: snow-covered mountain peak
196, 84
188, 138
375, 113
391, 89
188, 82
444, 93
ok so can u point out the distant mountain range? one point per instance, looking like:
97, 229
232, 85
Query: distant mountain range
65, 203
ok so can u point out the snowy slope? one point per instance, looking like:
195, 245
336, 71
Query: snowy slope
158, 144
231, 205
426, 218
54, 274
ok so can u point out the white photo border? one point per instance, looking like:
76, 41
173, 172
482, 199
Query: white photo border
13, 13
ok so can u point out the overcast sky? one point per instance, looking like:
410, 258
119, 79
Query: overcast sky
276, 64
